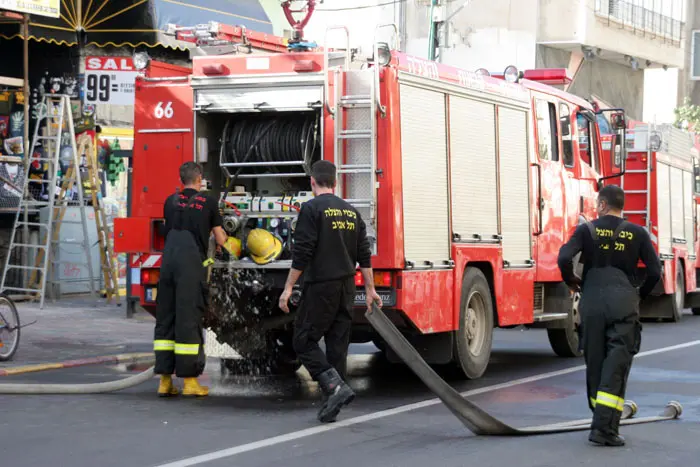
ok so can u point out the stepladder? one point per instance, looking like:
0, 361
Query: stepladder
45, 201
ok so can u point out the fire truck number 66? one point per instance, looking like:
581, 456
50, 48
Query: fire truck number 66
163, 110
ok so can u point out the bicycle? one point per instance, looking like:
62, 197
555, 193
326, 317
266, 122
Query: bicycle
9, 329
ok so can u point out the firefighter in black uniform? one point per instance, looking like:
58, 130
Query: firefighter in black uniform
330, 239
190, 218
609, 305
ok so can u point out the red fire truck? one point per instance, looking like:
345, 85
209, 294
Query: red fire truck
469, 183
660, 188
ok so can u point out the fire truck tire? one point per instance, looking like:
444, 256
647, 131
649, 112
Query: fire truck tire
565, 341
674, 302
474, 337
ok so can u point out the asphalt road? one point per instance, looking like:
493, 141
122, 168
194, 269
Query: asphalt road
263, 421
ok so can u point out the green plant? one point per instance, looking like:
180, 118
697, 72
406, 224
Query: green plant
687, 116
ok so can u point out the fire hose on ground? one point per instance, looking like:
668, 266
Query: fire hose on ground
472, 416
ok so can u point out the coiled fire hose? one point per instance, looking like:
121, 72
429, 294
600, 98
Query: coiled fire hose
472, 416
91, 388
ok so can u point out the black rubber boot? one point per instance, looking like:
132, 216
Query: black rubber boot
605, 439
337, 393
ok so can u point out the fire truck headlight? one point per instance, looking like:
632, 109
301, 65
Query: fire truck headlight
141, 60
511, 74
383, 54
482, 72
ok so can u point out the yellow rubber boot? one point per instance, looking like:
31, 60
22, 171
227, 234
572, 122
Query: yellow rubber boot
166, 387
192, 388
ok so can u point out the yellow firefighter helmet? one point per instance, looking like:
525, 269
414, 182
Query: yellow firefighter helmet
233, 247
263, 246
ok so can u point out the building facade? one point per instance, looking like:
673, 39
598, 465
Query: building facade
606, 44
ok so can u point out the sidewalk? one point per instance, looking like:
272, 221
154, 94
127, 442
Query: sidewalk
76, 328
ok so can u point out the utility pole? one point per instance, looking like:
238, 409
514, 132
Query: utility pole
439, 28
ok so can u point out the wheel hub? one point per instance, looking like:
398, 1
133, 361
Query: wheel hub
471, 324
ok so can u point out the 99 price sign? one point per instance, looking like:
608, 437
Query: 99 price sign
109, 80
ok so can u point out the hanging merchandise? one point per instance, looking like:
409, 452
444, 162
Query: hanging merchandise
115, 165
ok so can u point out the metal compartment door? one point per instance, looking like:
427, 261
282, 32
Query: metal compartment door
515, 186
424, 169
677, 219
663, 207
473, 168
688, 210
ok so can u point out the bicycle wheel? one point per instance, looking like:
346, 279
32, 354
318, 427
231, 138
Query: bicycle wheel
9, 329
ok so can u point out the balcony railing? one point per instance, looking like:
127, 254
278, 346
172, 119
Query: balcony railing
641, 19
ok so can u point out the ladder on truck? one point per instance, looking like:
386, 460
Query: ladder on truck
355, 106
56, 112
646, 171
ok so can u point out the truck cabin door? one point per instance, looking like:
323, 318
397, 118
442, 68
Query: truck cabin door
588, 161
568, 153
550, 176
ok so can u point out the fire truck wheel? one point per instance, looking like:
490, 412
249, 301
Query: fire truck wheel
565, 341
475, 335
673, 303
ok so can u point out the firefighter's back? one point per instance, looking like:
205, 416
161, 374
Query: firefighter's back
339, 234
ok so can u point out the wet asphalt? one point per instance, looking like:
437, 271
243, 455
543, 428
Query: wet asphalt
252, 421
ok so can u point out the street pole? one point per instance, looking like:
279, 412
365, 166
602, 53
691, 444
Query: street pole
432, 32
27, 147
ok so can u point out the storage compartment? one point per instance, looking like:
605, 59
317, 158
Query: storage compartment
258, 164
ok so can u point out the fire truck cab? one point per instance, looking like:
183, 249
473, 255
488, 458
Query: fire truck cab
468, 182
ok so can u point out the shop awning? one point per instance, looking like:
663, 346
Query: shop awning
137, 22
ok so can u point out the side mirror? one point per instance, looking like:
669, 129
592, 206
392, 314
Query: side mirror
617, 121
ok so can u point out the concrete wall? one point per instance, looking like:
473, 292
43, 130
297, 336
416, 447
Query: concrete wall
686, 86
617, 84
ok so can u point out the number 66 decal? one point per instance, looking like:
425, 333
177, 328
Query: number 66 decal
164, 110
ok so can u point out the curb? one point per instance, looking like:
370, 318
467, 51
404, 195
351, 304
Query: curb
121, 358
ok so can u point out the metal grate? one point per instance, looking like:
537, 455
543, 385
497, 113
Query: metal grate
634, 15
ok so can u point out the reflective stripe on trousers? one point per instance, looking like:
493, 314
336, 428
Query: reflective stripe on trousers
609, 400
186, 349
163, 345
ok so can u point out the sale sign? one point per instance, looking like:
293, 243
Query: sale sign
110, 80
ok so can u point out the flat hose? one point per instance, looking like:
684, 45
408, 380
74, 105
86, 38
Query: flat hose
92, 388
472, 416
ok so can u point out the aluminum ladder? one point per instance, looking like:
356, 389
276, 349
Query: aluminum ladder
56, 112
354, 109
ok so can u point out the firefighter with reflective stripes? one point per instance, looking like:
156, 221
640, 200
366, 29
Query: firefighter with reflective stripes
611, 249
190, 218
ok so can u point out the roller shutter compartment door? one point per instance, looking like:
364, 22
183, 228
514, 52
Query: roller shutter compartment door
424, 168
677, 220
473, 168
514, 186
688, 210
663, 207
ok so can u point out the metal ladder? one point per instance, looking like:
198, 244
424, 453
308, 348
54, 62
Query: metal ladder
355, 105
645, 191
29, 208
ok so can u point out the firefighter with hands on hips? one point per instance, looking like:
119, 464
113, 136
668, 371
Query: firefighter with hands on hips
330, 239
611, 249
190, 218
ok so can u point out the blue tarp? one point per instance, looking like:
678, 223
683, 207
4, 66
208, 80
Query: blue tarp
248, 13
